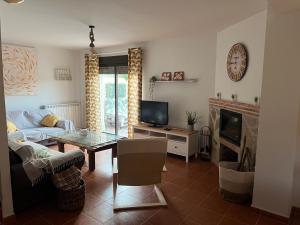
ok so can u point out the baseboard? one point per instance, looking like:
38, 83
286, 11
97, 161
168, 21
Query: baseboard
272, 215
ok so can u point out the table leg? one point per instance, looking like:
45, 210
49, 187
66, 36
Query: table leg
113, 154
61, 146
91, 160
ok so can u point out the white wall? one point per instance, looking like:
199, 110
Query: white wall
5, 185
250, 32
195, 55
277, 139
50, 90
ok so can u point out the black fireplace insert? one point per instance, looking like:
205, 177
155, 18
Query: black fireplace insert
231, 126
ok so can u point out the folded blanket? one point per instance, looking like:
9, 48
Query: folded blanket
67, 125
38, 160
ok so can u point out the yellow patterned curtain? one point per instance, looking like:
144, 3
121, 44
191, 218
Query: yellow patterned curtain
92, 92
134, 87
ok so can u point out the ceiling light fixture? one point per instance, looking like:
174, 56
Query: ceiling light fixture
92, 39
14, 1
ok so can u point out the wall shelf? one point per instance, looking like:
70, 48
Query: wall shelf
177, 81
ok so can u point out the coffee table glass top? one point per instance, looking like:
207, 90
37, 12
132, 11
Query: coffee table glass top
92, 139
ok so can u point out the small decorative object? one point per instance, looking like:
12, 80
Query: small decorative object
153, 79
205, 143
179, 75
192, 118
234, 97
256, 100
19, 70
84, 132
166, 76
62, 73
237, 62
219, 95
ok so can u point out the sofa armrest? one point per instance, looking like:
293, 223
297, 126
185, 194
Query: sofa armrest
19, 178
66, 125
14, 158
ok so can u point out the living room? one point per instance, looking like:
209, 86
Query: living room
192, 40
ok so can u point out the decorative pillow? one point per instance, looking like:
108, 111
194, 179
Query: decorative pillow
50, 120
11, 127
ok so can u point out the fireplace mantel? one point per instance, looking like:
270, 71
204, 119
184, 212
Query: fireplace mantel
244, 108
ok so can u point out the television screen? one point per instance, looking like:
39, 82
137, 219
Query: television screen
155, 113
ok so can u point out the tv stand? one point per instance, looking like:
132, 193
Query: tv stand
155, 125
181, 141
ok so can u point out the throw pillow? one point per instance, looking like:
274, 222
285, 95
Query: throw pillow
49, 120
11, 127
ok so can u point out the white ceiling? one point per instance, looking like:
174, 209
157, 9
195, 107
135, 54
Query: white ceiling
64, 23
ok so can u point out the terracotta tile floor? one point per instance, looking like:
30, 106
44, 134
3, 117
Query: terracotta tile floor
191, 191
296, 219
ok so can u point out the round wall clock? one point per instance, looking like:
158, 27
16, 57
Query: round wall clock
237, 62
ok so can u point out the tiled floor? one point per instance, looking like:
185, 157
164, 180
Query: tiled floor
191, 191
296, 218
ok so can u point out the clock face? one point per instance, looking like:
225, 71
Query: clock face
237, 62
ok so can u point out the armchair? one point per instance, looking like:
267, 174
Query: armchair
140, 162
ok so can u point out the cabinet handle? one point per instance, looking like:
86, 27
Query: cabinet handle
175, 146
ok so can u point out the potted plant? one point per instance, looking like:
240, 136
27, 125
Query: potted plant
192, 118
152, 80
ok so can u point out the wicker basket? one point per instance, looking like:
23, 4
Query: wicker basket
71, 200
235, 186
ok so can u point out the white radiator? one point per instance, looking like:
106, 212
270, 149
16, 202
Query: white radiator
68, 111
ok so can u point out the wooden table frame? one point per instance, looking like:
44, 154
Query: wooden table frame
91, 151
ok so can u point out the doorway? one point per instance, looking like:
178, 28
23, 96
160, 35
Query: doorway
114, 94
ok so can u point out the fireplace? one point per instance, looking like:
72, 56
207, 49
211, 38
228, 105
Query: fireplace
231, 132
227, 154
231, 126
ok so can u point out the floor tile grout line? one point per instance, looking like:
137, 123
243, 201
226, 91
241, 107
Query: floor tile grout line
258, 219
224, 215
199, 204
150, 217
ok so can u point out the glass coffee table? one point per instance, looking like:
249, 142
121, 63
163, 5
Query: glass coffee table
93, 142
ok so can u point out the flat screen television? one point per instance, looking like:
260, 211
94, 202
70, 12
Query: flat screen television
154, 113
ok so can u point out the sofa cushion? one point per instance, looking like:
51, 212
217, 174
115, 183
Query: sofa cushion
20, 119
41, 133
36, 116
50, 120
11, 127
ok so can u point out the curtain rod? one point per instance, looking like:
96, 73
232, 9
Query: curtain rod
109, 53
112, 53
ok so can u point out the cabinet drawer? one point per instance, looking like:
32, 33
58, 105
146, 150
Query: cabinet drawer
177, 147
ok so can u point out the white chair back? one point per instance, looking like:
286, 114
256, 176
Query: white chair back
141, 161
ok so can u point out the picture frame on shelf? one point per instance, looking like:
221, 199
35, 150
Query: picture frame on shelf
166, 76
179, 75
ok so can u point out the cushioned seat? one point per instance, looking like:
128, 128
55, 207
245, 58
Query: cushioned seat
41, 133
29, 122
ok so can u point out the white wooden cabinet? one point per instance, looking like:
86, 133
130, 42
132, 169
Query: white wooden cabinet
180, 141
